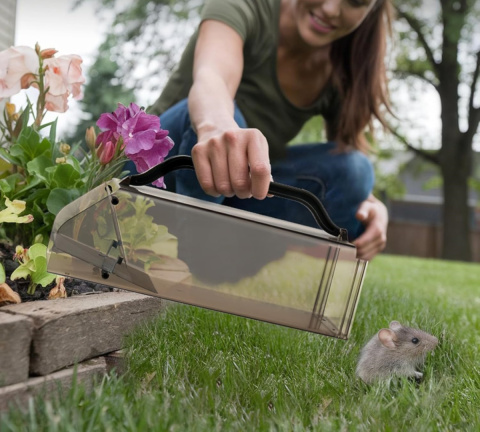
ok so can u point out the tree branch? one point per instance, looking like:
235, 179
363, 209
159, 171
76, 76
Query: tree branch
473, 85
417, 28
473, 123
405, 74
433, 158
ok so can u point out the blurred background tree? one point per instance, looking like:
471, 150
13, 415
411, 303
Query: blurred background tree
103, 91
438, 48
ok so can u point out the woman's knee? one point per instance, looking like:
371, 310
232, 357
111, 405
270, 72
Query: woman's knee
358, 177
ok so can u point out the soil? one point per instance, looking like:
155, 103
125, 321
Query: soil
72, 286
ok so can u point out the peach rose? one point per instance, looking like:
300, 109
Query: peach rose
56, 103
63, 75
18, 68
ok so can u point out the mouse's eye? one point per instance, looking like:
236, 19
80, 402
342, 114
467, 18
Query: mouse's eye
415, 341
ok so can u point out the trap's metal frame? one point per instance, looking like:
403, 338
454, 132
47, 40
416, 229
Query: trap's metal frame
142, 239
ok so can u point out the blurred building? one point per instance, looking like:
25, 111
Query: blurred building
8, 10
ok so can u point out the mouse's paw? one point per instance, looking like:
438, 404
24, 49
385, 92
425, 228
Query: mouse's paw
418, 377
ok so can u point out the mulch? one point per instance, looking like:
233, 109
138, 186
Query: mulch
72, 286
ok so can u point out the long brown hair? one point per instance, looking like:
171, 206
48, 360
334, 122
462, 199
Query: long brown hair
359, 74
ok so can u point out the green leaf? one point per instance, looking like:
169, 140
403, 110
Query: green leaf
24, 192
44, 279
38, 167
9, 184
53, 131
35, 267
37, 250
5, 167
38, 199
64, 175
29, 146
59, 198
20, 273
2, 274
8, 157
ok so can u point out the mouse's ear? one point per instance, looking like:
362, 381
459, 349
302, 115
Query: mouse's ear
395, 325
387, 337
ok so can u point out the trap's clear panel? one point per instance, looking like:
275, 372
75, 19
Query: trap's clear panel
207, 255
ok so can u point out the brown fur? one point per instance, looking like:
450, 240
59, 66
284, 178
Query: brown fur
360, 75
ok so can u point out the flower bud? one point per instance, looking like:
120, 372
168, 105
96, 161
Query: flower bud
61, 160
10, 108
64, 148
20, 254
105, 152
90, 138
48, 53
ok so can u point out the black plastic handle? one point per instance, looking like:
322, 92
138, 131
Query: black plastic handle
302, 196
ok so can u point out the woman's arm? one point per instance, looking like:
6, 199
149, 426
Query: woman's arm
228, 160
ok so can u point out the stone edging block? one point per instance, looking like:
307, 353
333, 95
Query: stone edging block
68, 331
18, 394
15, 339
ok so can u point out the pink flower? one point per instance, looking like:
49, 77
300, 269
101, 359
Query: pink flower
106, 151
146, 159
144, 142
63, 77
17, 63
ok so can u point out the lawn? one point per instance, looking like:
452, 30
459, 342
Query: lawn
197, 370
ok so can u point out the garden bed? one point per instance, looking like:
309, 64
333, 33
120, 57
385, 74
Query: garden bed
43, 337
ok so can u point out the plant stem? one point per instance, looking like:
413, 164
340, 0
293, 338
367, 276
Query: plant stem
41, 96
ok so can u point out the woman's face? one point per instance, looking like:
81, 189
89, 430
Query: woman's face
321, 22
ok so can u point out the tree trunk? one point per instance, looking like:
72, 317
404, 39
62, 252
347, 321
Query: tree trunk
456, 214
455, 156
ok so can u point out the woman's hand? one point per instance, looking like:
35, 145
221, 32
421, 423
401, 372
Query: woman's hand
232, 162
373, 214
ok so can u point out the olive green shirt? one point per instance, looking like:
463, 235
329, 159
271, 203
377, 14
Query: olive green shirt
259, 96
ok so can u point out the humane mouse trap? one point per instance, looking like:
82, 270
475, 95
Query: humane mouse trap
142, 239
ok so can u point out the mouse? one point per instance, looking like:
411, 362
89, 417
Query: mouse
395, 351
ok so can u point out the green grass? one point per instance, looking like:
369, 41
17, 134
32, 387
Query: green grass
197, 370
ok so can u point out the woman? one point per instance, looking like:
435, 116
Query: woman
251, 76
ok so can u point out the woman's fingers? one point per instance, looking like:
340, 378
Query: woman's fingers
260, 169
203, 170
238, 166
235, 162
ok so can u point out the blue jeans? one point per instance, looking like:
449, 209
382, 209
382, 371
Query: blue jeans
340, 180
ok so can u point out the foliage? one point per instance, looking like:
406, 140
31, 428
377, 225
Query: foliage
140, 42
103, 90
11, 214
33, 266
47, 175
37, 169
200, 370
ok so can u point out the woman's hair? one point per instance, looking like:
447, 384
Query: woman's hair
359, 74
